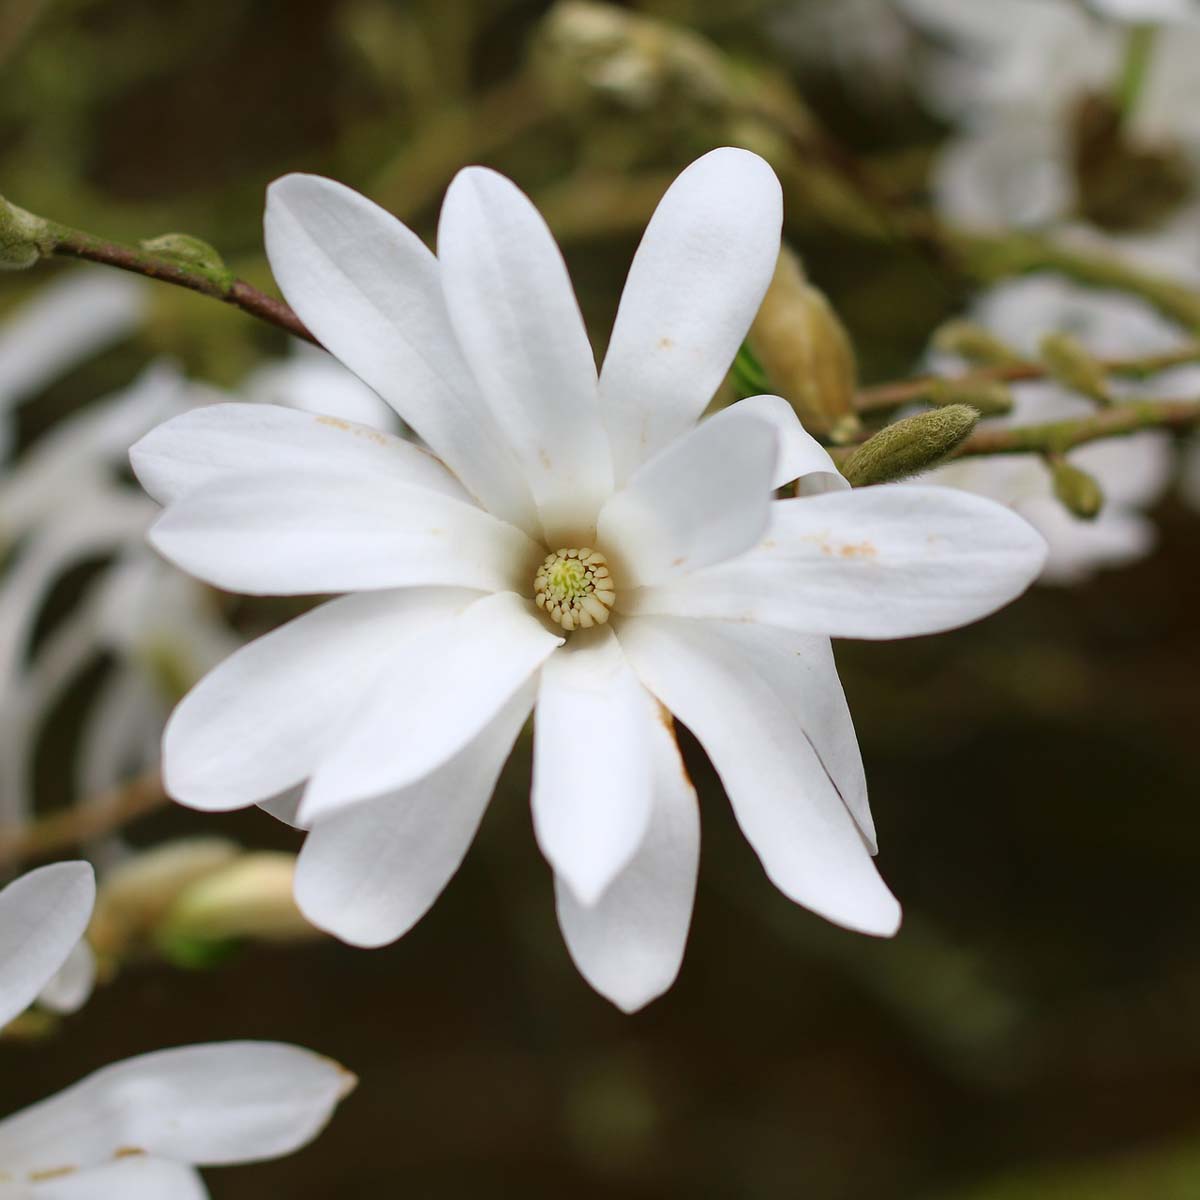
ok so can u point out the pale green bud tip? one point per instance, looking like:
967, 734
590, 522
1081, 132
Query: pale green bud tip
190, 251
974, 343
24, 238
1069, 361
1078, 492
910, 446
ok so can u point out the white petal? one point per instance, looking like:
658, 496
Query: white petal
369, 874
701, 500
629, 944
515, 315
71, 985
801, 456
878, 562
372, 293
260, 722
296, 533
219, 441
228, 1102
780, 791
437, 690
133, 1177
592, 770
696, 282
42, 916
66, 322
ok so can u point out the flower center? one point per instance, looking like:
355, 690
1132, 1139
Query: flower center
575, 588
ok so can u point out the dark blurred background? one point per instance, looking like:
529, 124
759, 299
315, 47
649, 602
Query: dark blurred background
1031, 1034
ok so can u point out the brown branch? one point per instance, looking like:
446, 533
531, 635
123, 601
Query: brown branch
103, 814
209, 279
884, 396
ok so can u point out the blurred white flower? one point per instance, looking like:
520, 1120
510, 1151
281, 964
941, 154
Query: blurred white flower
1011, 76
665, 575
65, 323
139, 1128
1133, 471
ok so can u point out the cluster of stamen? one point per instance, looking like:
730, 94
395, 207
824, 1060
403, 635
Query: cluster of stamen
575, 588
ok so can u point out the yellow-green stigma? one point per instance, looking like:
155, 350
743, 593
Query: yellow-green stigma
575, 588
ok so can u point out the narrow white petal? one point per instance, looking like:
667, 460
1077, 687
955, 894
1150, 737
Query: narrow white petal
71, 985
592, 767
801, 456
629, 944
304, 533
372, 293
42, 917
260, 722
224, 441
516, 318
878, 562
228, 1102
369, 874
781, 793
703, 499
435, 693
131, 1177
696, 282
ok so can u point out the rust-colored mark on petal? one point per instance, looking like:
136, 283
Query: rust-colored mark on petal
678, 562
129, 1152
544, 459
858, 550
51, 1173
365, 431
665, 343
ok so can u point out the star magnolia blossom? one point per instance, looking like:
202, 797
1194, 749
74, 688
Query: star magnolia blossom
137, 1129
582, 544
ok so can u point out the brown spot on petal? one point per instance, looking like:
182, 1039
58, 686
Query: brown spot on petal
129, 1152
364, 431
858, 550
51, 1173
665, 343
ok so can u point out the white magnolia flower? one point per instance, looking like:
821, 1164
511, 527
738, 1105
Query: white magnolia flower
137, 1129
584, 545
1133, 471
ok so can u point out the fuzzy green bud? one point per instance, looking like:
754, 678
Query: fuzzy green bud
806, 353
974, 343
249, 898
24, 238
910, 446
190, 251
1077, 491
1074, 366
989, 397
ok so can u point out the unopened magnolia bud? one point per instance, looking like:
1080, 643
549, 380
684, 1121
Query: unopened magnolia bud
134, 895
989, 397
189, 251
974, 343
1073, 365
910, 446
1078, 491
588, 54
805, 352
24, 238
250, 898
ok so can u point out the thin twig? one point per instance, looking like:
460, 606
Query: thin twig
100, 815
883, 396
1057, 437
215, 281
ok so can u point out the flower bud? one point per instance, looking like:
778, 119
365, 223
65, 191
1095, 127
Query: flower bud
910, 446
250, 898
588, 55
1073, 365
805, 352
190, 251
989, 397
967, 340
134, 895
1078, 491
24, 238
